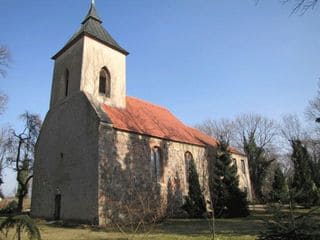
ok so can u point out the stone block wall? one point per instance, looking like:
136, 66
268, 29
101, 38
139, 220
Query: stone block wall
70, 60
125, 170
66, 162
244, 176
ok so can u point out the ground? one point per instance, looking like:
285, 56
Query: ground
172, 229
237, 229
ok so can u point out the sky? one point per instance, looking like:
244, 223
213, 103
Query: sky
199, 58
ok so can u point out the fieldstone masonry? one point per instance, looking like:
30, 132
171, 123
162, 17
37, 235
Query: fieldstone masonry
125, 157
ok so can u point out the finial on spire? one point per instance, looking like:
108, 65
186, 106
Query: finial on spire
92, 14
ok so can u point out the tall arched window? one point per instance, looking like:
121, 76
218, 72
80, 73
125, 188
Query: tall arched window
66, 82
156, 161
104, 82
188, 158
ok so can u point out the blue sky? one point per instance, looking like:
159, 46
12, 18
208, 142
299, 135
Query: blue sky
199, 58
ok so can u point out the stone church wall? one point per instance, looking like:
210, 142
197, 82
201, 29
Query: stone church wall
96, 56
125, 166
70, 60
244, 177
66, 158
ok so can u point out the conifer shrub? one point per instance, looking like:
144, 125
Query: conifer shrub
23, 225
228, 199
306, 192
288, 225
11, 208
194, 202
279, 191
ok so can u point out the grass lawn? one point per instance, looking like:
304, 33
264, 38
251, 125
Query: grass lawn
172, 229
233, 229
240, 229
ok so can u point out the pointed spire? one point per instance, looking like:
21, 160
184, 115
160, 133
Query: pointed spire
92, 14
92, 27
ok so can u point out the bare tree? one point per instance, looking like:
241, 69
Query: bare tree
263, 129
4, 148
255, 135
292, 129
3, 102
4, 59
4, 63
299, 6
22, 153
137, 212
313, 110
223, 130
295, 133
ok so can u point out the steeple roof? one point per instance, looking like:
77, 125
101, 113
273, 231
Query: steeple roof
92, 14
92, 27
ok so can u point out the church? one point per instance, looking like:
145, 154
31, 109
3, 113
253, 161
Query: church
98, 147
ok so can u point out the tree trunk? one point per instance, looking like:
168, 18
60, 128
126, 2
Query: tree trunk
19, 231
20, 203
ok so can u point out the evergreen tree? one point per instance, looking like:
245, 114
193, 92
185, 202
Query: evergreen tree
227, 197
195, 204
258, 165
316, 171
279, 186
306, 192
218, 188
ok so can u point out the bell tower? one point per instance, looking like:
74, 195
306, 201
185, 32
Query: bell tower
92, 62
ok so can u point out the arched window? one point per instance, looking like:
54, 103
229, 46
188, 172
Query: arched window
243, 166
66, 82
104, 82
156, 162
188, 158
234, 161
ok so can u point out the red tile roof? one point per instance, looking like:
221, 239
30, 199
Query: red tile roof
152, 120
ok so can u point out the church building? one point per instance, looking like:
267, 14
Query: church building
98, 146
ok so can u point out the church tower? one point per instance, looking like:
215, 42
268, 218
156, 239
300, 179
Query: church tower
89, 74
92, 62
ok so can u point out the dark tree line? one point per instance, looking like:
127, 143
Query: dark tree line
283, 157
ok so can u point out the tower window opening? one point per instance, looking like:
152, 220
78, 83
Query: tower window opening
104, 82
243, 167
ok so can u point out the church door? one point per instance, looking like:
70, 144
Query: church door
57, 207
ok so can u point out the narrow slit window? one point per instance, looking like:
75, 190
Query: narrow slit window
243, 166
66, 83
156, 162
104, 82
234, 162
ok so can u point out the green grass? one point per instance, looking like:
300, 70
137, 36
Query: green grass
240, 229
172, 229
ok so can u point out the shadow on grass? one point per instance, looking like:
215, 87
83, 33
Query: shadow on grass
249, 226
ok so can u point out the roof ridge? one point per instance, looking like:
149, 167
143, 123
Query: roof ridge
143, 117
149, 103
